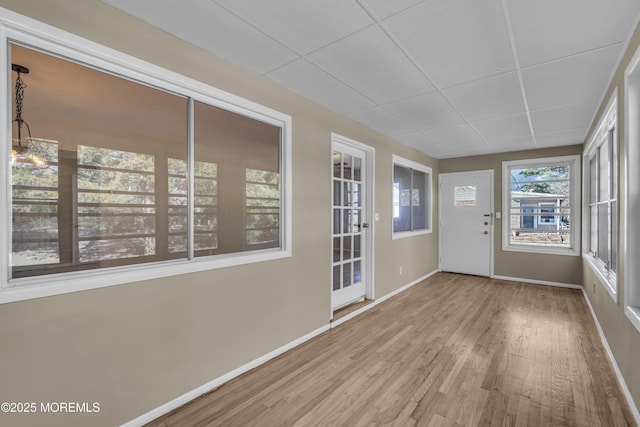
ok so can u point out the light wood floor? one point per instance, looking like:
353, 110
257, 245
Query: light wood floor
454, 350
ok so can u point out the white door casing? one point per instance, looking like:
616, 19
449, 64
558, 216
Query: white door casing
466, 222
351, 225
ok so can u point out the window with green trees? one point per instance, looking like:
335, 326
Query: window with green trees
539, 204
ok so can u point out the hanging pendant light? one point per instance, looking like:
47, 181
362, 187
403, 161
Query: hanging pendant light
21, 150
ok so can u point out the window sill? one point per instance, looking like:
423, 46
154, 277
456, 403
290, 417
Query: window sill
64, 283
404, 234
541, 250
606, 280
633, 313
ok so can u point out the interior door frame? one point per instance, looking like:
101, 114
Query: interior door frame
369, 208
491, 174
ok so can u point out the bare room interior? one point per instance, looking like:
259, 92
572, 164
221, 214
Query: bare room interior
301, 213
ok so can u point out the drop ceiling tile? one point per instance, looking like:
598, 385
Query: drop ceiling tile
558, 139
302, 25
211, 27
563, 118
455, 41
438, 151
515, 144
550, 29
310, 81
426, 111
490, 97
422, 142
457, 136
385, 8
503, 128
381, 120
574, 79
373, 65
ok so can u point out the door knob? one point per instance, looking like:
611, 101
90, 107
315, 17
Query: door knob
486, 232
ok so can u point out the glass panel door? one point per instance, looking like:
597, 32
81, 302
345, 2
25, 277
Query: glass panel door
349, 225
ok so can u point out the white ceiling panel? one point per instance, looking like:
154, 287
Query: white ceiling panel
439, 75
503, 128
455, 41
457, 136
312, 82
574, 79
559, 139
304, 26
371, 63
550, 29
383, 121
426, 111
562, 118
523, 143
491, 97
385, 8
212, 28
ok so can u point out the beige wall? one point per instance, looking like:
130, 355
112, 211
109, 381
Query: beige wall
622, 337
551, 268
137, 346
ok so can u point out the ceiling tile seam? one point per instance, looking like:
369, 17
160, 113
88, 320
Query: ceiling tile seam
573, 55
612, 75
479, 79
411, 125
430, 80
556, 132
365, 6
516, 60
257, 27
570, 104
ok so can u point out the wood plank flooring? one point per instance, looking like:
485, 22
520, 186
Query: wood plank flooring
454, 350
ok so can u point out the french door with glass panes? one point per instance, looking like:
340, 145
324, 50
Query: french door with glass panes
350, 224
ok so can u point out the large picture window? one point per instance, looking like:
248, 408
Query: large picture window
601, 206
110, 171
540, 205
411, 198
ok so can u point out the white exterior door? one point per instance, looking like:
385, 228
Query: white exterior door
351, 227
466, 222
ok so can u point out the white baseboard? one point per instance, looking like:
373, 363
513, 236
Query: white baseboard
205, 388
623, 384
379, 300
538, 282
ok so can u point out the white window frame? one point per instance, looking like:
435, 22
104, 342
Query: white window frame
37, 35
608, 123
574, 179
401, 161
631, 237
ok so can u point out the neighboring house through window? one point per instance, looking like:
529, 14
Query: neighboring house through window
539, 199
